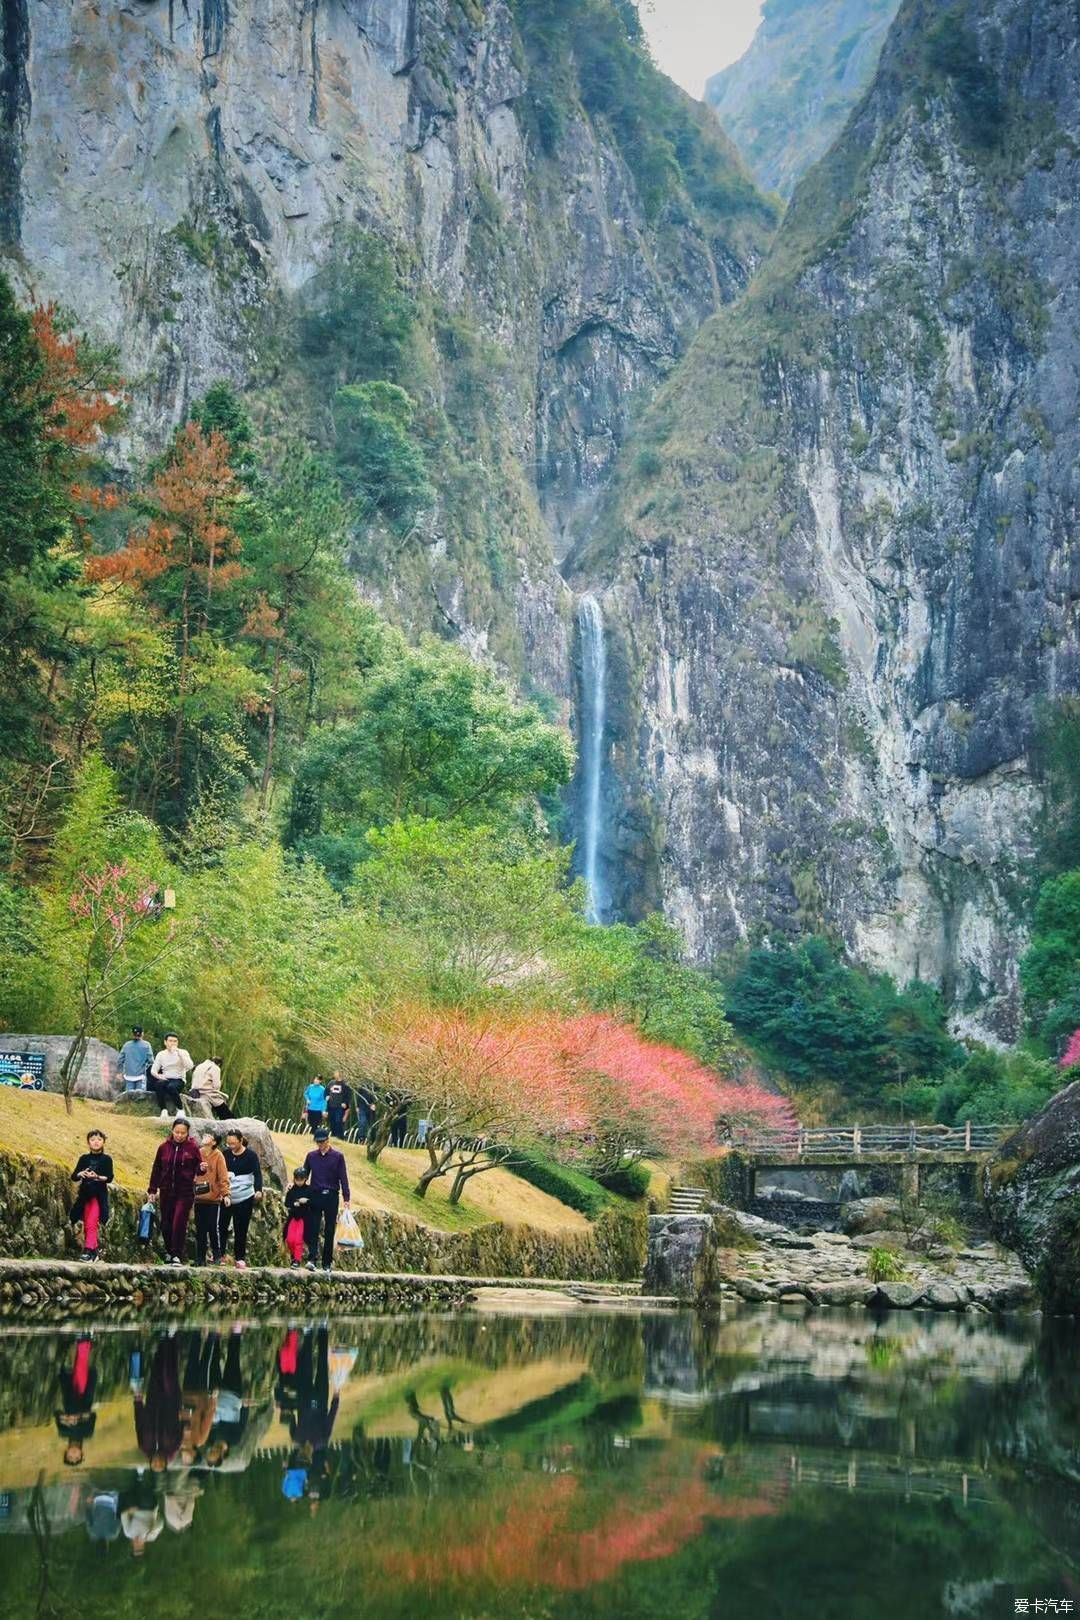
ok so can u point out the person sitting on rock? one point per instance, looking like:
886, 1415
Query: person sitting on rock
168, 1072
206, 1088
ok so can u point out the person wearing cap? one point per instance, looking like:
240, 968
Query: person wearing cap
168, 1072
136, 1057
328, 1177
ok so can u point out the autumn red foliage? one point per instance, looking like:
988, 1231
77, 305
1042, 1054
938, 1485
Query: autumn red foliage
591, 1085
83, 397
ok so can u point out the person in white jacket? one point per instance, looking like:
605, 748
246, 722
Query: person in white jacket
168, 1072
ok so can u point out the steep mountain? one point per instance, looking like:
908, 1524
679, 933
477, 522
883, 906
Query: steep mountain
199, 181
840, 576
787, 99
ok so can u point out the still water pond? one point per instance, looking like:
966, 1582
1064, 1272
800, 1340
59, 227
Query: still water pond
558, 1467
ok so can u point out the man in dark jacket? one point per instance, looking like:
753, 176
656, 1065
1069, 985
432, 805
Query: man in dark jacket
178, 1164
339, 1100
328, 1177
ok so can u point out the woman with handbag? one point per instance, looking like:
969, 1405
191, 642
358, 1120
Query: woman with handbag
211, 1201
245, 1191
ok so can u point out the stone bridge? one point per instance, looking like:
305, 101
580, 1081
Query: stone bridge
846, 1147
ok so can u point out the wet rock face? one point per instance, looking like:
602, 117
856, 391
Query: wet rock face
181, 175
849, 587
1032, 1189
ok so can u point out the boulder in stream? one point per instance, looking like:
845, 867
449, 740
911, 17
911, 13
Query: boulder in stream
1032, 1189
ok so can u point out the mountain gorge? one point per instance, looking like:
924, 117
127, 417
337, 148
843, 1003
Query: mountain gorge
841, 570
197, 180
787, 99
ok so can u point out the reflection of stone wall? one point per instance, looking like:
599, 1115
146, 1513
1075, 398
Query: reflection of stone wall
97, 1076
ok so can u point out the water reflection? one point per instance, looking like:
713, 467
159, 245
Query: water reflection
823, 1465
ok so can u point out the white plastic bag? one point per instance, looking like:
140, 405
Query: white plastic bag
348, 1235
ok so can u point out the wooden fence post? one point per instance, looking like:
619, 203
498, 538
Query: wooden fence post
967, 1136
856, 1139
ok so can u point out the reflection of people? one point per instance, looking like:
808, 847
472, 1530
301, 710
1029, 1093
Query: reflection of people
312, 1422
178, 1504
140, 1514
158, 1426
92, 1174
76, 1421
202, 1379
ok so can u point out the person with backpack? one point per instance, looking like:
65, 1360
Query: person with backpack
211, 1202
93, 1174
315, 1103
245, 1191
178, 1164
339, 1102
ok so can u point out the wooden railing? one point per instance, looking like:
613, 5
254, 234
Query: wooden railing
851, 1141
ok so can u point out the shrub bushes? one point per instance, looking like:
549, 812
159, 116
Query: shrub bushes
571, 1187
629, 1181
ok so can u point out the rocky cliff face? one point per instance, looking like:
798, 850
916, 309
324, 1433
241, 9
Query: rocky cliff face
1032, 1188
788, 98
181, 173
841, 572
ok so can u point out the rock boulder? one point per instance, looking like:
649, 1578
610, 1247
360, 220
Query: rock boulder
97, 1075
870, 1215
1032, 1189
258, 1135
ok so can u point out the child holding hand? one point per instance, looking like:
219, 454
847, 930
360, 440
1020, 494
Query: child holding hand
298, 1207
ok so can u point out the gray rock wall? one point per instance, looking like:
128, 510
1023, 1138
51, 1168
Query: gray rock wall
842, 601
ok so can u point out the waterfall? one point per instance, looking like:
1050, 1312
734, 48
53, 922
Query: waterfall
593, 718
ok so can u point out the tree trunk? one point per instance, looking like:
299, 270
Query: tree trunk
275, 688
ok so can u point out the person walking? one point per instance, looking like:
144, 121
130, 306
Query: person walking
298, 1216
93, 1174
206, 1087
136, 1056
210, 1205
315, 1103
365, 1111
178, 1164
339, 1102
168, 1072
245, 1191
329, 1177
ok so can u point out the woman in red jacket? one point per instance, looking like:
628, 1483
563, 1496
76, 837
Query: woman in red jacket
178, 1164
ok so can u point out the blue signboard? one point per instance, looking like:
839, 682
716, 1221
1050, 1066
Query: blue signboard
13, 1065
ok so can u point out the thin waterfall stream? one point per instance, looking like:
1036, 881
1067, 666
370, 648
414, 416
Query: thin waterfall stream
593, 721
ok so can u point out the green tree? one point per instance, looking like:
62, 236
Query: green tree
817, 1019
436, 737
471, 909
640, 973
380, 462
1050, 970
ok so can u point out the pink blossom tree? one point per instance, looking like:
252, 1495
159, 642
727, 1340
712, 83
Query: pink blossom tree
107, 910
1071, 1056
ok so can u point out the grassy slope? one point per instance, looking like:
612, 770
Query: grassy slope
36, 1124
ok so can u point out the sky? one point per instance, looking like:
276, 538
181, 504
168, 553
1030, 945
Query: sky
693, 39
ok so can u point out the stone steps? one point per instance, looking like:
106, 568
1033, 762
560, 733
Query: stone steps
686, 1200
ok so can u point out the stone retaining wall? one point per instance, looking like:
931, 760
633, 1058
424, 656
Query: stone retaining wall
51, 1290
35, 1197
